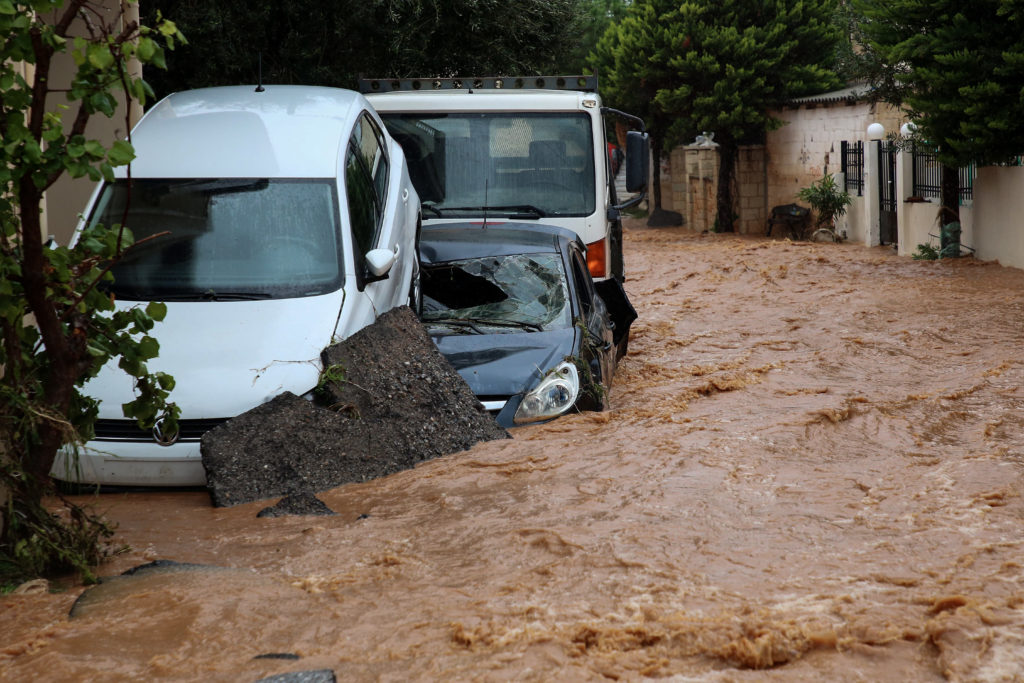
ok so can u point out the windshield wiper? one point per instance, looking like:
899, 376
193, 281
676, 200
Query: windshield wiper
457, 323
519, 210
432, 209
208, 295
493, 322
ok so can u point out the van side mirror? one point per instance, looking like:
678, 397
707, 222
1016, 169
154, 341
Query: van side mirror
638, 155
380, 261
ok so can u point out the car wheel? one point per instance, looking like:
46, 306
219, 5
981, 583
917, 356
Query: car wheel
416, 292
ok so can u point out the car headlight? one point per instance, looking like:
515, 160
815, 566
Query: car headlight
555, 394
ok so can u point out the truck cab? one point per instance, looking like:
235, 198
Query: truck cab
519, 149
532, 148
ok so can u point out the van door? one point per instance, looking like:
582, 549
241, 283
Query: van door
376, 217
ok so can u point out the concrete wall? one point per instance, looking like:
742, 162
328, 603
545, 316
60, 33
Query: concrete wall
67, 198
808, 145
919, 225
998, 233
676, 190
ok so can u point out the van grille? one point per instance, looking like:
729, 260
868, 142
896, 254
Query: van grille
128, 430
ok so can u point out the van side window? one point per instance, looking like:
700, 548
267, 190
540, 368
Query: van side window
366, 177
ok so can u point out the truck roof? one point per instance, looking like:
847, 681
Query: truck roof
487, 100
283, 131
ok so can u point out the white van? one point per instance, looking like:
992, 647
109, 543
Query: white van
273, 222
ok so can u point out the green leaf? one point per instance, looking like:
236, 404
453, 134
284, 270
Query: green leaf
7, 8
149, 348
121, 153
156, 310
147, 48
94, 149
100, 57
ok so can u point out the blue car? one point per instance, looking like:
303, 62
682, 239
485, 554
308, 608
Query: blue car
513, 308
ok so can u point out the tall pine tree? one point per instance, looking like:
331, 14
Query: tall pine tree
731, 61
960, 71
631, 60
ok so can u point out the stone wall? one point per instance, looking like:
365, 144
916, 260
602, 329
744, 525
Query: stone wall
694, 187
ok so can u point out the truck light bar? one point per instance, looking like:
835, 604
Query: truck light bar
578, 83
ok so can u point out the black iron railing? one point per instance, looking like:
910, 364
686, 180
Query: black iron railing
927, 175
853, 166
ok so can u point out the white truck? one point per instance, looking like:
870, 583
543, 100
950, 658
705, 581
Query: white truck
520, 149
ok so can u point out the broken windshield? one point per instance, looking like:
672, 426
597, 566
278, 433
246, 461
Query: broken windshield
460, 163
494, 294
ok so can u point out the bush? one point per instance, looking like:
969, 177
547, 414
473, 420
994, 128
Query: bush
828, 202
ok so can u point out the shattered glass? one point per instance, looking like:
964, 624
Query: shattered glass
497, 294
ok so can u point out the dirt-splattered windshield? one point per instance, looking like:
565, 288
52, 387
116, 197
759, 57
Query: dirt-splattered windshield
461, 163
514, 293
226, 238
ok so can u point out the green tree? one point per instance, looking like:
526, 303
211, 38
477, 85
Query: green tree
57, 325
326, 42
959, 71
720, 65
733, 60
631, 60
597, 16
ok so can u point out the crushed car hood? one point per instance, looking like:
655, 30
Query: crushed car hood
505, 364
229, 357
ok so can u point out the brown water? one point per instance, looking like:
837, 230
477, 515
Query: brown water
811, 471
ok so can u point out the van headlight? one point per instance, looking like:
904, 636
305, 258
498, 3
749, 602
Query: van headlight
555, 394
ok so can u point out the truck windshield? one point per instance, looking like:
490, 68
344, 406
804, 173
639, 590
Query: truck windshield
461, 163
224, 239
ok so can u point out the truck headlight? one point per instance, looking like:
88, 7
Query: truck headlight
555, 394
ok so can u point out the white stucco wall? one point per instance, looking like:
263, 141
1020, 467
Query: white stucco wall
854, 223
919, 225
999, 215
66, 199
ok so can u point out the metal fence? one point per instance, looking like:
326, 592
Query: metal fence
927, 175
853, 166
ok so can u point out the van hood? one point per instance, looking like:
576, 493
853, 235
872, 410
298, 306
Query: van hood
502, 365
227, 357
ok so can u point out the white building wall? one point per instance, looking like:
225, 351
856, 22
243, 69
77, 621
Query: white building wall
919, 225
999, 215
808, 143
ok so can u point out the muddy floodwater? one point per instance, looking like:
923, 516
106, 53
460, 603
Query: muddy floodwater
811, 470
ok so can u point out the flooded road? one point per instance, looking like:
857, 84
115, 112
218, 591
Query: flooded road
812, 470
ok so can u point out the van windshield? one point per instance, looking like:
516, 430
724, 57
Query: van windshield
224, 239
461, 163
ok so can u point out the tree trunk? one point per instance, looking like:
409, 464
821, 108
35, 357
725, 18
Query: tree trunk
949, 212
726, 171
656, 151
59, 383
